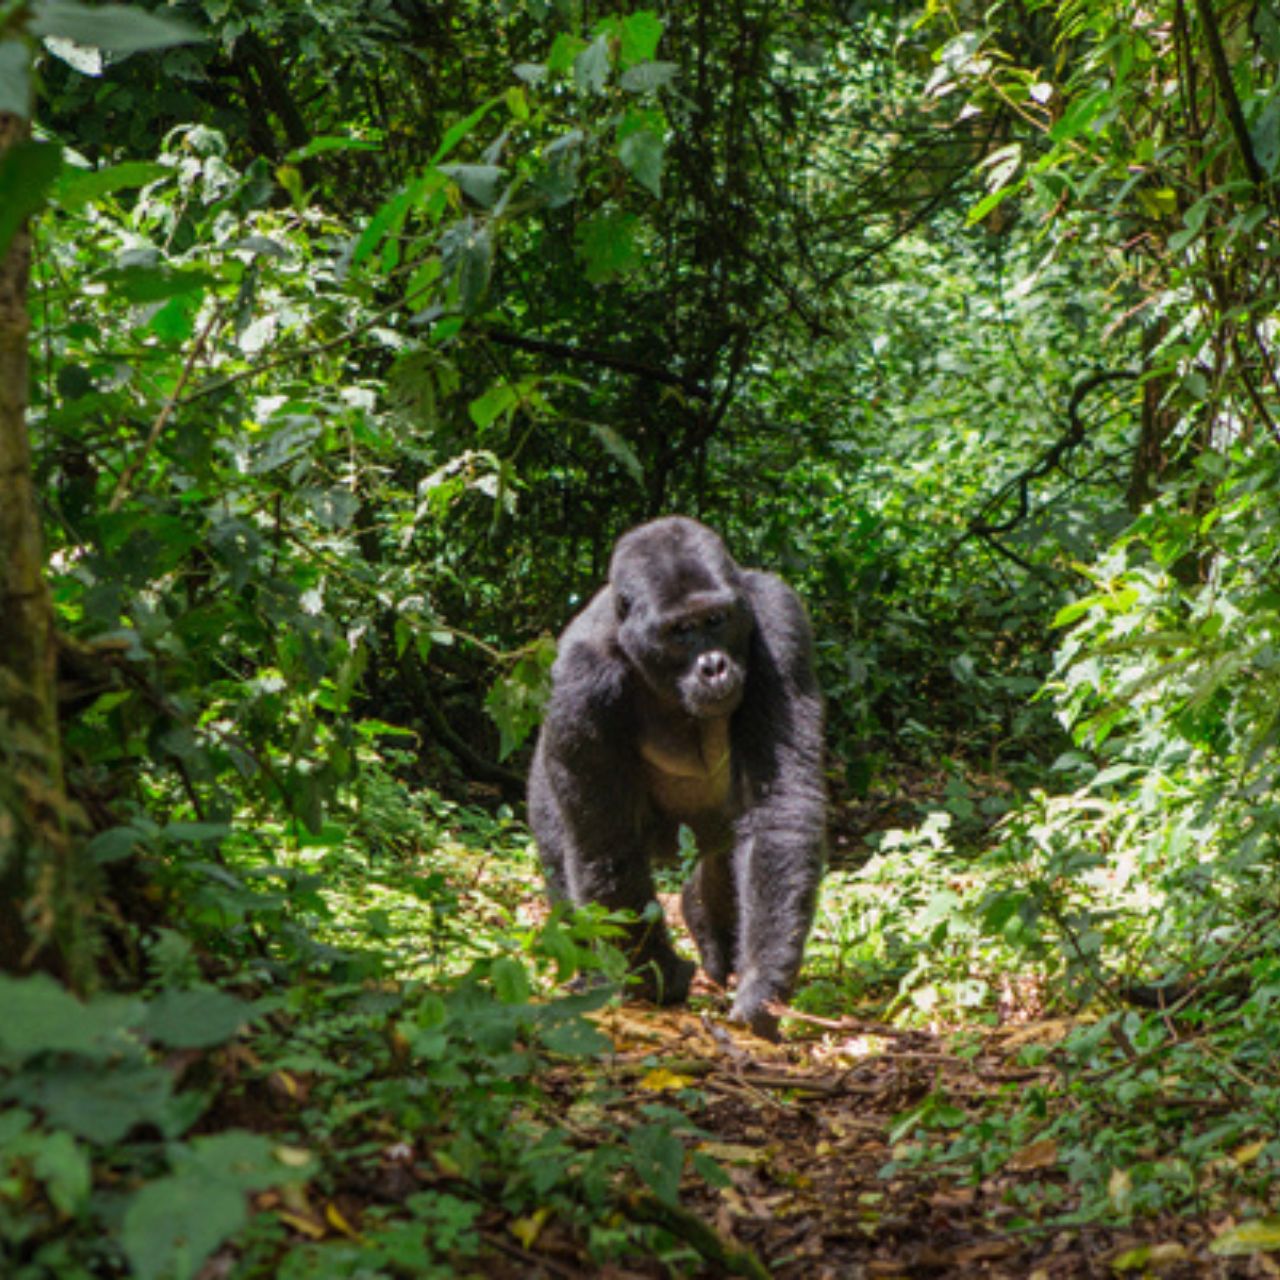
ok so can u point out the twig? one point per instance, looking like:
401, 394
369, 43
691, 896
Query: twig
166, 411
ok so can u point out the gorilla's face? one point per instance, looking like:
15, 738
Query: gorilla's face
683, 619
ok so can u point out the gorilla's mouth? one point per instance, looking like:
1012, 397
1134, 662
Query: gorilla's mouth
709, 704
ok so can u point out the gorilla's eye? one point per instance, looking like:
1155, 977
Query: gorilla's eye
714, 619
683, 629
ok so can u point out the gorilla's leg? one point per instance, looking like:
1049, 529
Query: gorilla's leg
622, 880
711, 913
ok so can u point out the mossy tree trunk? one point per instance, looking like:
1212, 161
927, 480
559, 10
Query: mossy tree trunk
43, 894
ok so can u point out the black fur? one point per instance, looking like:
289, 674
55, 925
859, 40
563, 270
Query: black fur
684, 693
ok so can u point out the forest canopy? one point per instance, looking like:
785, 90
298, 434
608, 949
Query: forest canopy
339, 342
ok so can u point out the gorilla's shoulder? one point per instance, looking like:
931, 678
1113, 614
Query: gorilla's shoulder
775, 604
589, 667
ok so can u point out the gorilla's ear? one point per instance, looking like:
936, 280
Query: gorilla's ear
621, 604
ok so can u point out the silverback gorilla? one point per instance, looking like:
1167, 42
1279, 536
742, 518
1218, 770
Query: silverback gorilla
684, 693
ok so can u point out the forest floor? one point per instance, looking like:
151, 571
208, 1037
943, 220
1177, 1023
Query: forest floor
803, 1130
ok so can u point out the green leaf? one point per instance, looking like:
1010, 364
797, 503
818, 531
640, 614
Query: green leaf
64, 1168
474, 266
711, 1170
640, 35
619, 450
658, 1156
27, 171
103, 1102
173, 1224
641, 155
78, 187
510, 981
564, 50
591, 66
15, 78
607, 244
246, 1161
195, 1019
479, 181
486, 409
576, 1038
463, 127
39, 1015
323, 145
115, 842
648, 77
117, 27
136, 283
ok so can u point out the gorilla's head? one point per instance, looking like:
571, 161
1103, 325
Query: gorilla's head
683, 619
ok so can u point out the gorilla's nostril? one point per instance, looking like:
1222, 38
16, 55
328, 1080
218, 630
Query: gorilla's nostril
713, 666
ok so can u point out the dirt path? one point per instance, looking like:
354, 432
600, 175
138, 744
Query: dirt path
804, 1132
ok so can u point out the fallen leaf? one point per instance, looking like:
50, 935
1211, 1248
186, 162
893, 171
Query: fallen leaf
1042, 1154
529, 1228
1258, 1235
333, 1216
660, 1080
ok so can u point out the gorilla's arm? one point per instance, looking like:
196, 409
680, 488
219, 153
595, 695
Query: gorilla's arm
590, 810
779, 846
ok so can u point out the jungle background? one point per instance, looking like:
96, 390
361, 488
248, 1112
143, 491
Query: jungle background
338, 341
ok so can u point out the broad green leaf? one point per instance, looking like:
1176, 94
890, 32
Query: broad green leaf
157, 283
564, 51
576, 1038
39, 1015
246, 1161
479, 181
648, 77
486, 409
640, 35
115, 842
27, 171
658, 1157
117, 27
641, 155
510, 981
15, 78
195, 1019
77, 187
63, 1167
607, 245
173, 1224
474, 266
103, 1101
591, 66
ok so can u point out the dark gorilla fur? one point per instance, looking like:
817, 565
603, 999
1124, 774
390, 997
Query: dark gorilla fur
684, 693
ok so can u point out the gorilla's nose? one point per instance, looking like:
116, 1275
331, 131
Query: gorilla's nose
713, 667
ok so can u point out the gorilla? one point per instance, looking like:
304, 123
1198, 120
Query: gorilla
684, 693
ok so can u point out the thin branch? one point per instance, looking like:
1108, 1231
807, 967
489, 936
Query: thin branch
1227, 91
166, 411
605, 359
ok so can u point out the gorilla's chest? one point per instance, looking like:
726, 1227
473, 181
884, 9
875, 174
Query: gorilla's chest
689, 768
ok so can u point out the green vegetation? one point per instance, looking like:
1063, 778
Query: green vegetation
338, 342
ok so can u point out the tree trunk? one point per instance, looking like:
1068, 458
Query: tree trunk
42, 896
